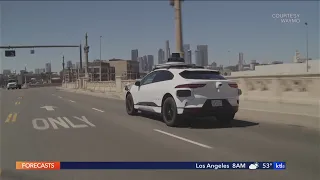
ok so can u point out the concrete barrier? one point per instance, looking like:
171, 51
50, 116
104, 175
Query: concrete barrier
292, 89
285, 88
43, 85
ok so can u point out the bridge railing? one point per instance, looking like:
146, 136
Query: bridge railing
297, 89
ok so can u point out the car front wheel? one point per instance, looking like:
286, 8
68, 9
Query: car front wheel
130, 105
169, 112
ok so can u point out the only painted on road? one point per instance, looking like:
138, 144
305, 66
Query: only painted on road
61, 123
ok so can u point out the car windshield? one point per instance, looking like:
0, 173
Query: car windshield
12, 81
201, 75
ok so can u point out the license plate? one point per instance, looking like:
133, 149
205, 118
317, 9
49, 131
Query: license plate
216, 103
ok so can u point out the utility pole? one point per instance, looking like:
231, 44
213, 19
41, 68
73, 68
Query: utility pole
100, 47
100, 60
25, 76
63, 78
86, 52
80, 46
307, 44
178, 22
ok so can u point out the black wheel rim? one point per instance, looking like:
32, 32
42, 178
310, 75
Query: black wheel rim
129, 104
168, 112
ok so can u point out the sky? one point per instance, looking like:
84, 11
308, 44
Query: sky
227, 27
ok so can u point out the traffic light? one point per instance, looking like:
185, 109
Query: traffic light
10, 53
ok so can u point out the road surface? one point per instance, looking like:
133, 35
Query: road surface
98, 129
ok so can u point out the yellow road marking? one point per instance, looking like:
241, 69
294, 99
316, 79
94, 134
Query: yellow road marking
18, 102
8, 118
14, 118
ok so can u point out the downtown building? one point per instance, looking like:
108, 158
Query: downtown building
201, 55
134, 55
48, 67
39, 70
168, 55
150, 62
187, 54
146, 63
161, 56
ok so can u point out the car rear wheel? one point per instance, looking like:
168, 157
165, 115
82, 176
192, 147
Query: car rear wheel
130, 105
169, 112
225, 120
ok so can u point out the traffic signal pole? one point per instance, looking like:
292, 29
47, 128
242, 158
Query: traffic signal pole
45, 46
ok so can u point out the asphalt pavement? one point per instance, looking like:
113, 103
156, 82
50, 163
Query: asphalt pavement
45, 124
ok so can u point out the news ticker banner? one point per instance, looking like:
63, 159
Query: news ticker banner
52, 165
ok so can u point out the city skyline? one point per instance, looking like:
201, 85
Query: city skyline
225, 30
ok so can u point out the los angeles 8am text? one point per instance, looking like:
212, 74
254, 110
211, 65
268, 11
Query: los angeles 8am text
212, 166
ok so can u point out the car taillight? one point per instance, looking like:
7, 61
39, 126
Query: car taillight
233, 85
192, 86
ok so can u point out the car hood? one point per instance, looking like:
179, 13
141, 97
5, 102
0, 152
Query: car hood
13, 83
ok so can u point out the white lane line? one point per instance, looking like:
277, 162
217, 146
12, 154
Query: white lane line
60, 97
183, 139
72, 101
97, 110
279, 112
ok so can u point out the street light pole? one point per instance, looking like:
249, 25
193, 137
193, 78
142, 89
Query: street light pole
63, 79
25, 76
307, 44
100, 60
100, 47
86, 52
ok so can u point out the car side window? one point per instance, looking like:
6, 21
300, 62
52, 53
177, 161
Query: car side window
148, 79
163, 76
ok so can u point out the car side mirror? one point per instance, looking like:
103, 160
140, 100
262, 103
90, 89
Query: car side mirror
137, 83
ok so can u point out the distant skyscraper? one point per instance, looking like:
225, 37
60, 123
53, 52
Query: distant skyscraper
161, 56
48, 67
134, 55
189, 57
167, 50
150, 62
197, 57
202, 55
143, 61
240, 61
141, 64
186, 48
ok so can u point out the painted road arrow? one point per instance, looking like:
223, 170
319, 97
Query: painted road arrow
48, 108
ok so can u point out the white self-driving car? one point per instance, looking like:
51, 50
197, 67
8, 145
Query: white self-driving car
176, 90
